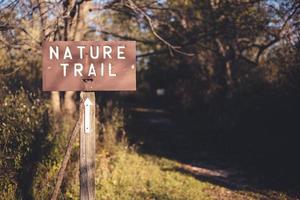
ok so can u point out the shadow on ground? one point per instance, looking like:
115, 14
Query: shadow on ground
164, 134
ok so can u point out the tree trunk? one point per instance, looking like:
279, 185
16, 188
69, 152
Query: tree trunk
55, 101
69, 103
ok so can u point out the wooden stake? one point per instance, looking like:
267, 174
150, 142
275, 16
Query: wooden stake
66, 159
87, 147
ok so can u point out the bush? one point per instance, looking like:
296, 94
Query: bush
112, 127
54, 147
22, 116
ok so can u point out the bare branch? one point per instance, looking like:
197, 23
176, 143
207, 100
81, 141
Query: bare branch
135, 8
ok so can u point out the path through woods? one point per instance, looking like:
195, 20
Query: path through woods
156, 132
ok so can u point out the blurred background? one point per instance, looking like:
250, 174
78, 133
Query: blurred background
215, 115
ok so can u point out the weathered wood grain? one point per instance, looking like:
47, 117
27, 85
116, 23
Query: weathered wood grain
87, 152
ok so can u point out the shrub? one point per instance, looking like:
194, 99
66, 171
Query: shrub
21, 121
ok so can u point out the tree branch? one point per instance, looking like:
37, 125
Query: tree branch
136, 9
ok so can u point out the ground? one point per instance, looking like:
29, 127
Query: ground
165, 157
131, 176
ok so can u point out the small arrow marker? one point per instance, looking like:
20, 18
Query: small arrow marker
87, 111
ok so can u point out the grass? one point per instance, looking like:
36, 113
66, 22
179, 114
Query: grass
122, 173
127, 175
130, 176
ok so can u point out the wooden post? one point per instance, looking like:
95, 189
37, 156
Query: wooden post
87, 147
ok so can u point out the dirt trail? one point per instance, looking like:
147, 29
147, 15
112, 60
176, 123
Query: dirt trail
157, 133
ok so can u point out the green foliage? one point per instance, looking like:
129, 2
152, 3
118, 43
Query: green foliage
8, 188
112, 139
20, 68
128, 176
21, 122
112, 127
44, 180
54, 148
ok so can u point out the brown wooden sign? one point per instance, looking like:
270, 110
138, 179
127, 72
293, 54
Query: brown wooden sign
89, 66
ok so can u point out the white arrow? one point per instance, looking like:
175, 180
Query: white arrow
87, 112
